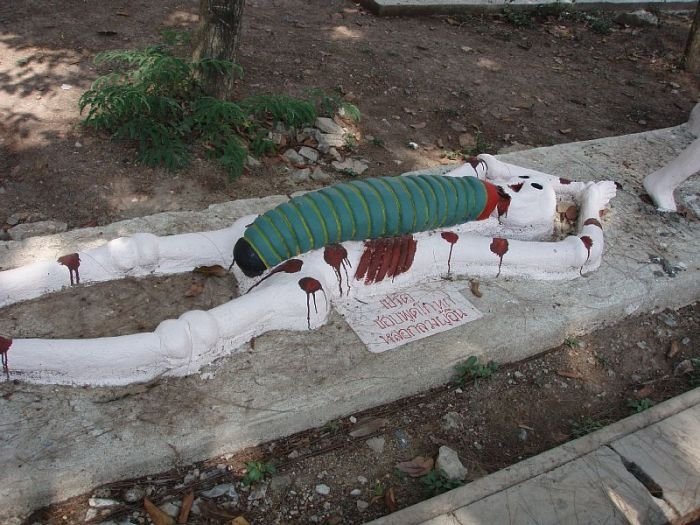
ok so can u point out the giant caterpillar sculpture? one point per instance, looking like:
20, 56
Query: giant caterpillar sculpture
516, 207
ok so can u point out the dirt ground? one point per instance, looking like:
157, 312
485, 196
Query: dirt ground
425, 80
521, 410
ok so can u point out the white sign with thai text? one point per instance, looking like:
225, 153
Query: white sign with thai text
393, 319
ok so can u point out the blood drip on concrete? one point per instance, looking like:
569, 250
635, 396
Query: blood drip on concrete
310, 286
588, 243
452, 238
503, 202
72, 262
499, 246
5, 344
337, 257
290, 266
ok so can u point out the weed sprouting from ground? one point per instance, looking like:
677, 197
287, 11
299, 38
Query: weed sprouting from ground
155, 99
472, 369
436, 483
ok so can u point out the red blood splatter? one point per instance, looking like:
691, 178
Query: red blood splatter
499, 247
290, 266
310, 286
337, 256
516, 187
562, 180
503, 202
595, 222
474, 163
452, 238
588, 243
385, 258
5, 344
72, 262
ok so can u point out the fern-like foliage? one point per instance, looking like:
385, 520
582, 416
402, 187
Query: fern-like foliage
155, 99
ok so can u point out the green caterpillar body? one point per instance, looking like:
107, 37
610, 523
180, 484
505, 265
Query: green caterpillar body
364, 209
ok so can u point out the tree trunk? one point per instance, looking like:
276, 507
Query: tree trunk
218, 36
691, 56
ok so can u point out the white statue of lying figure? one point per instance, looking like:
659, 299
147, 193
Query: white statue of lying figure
511, 213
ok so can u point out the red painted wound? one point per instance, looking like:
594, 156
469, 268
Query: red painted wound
516, 187
385, 258
474, 163
503, 202
337, 256
499, 247
594, 222
310, 286
290, 266
588, 243
72, 262
492, 198
452, 238
562, 180
5, 344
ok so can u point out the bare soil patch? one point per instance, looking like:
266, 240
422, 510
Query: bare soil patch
426, 80
522, 410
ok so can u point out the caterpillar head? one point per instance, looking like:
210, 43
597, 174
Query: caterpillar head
247, 260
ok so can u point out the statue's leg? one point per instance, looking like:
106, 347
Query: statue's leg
661, 184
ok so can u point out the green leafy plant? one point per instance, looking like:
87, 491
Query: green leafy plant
436, 483
472, 369
586, 426
639, 405
256, 471
517, 17
571, 341
155, 99
329, 104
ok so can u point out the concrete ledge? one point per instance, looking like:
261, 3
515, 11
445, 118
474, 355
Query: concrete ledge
57, 442
445, 7
537, 465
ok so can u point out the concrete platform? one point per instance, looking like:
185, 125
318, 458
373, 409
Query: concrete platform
644, 469
443, 7
57, 442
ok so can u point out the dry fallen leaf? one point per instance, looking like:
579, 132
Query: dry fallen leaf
474, 287
417, 467
211, 511
390, 500
186, 507
673, 351
240, 520
368, 426
420, 125
195, 289
215, 271
158, 517
644, 392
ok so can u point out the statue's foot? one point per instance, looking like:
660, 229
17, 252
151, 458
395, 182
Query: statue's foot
595, 197
660, 191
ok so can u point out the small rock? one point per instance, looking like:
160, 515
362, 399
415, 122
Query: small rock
466, 49
102, 502
218, 490
413, 145
78, 145
351, 166
459, 391
402, 439
518, 375
522, 434
353, 419
328, 125
190, 477
323, 489
683, 368
258, 493
319, 175
293, 454
33, 229
326, 141
300, 175
252, 162
355, 492
362, 480
362, 505
376, 444
332, 152
308, 153
280, 483
66, 87
452, 421
91, 514
13, 220
294, 157
170, 508
668, 319
133, 494
449, 464
638, 18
